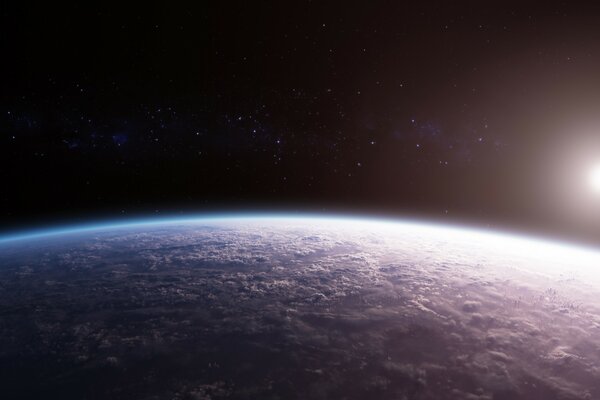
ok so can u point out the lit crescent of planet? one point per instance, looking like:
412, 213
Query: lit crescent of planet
275, 306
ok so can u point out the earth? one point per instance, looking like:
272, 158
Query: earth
277, 307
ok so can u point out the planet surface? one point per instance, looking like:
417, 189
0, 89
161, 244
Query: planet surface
305, 307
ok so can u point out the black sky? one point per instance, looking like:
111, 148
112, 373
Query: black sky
474, 112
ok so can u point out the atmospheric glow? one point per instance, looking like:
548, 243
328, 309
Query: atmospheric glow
389, 226
594, 179
533, 255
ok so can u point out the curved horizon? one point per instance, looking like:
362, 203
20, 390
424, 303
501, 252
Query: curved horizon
120, 223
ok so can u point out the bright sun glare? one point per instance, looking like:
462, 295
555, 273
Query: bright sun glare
594, 178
